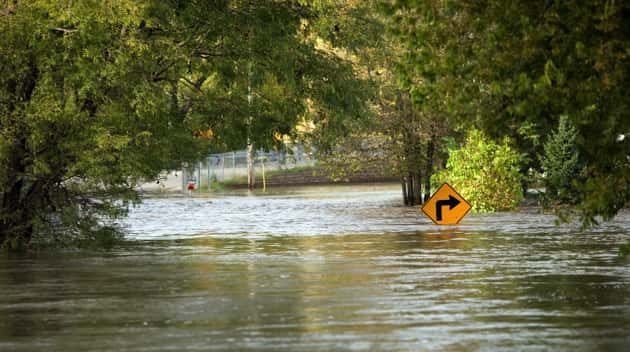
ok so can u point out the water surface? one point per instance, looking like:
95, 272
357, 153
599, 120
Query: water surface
324, 269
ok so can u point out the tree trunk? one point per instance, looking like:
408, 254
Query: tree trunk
251, 180
403, 183
410, 188
14, 213
417, 186
16, 216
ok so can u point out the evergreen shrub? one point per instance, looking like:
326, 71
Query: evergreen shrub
560, 163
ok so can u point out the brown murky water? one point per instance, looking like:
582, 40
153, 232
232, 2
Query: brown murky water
324, 269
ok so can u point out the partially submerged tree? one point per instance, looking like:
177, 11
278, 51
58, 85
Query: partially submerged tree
97, 96
514, 68
404, 131
84, 114
485, 173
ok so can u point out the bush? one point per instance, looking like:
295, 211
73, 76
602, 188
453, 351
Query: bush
484, 173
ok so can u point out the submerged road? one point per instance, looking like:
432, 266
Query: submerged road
324, 269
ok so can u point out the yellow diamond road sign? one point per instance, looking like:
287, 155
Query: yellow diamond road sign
446, 206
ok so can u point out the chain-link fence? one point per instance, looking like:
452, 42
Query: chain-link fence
233, 165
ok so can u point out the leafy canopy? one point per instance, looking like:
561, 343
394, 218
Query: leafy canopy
513, 68
97, 96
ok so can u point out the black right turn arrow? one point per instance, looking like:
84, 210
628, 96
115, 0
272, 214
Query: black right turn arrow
452, 202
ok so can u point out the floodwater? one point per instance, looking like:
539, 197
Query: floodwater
324, 269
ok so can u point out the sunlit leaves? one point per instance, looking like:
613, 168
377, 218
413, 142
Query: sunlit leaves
514, 68
486, 174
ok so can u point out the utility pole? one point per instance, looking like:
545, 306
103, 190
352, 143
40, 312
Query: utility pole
251, 177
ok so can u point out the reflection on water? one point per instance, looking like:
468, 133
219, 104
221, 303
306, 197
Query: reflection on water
321, 271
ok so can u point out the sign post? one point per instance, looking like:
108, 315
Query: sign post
446, 206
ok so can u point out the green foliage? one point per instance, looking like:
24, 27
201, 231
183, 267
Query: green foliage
403, 132
83, 116
484, 173
255, 70
355, 154
96, 97
512, 68
560, 162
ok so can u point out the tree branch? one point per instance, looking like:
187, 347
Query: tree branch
64, 30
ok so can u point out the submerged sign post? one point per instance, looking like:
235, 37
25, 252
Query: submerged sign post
446, 206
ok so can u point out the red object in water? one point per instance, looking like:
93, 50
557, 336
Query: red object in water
191, 186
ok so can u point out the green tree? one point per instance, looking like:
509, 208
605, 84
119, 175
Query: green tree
513, 68
403, 133
485, 173
255, 70
83, 115
98, 96
560, 162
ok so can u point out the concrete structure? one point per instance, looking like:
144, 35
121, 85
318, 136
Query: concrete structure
171, 181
